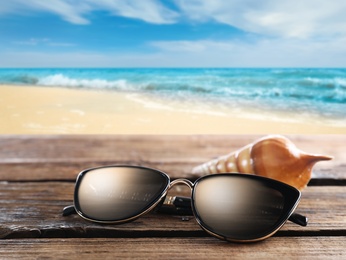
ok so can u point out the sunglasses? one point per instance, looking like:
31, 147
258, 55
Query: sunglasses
230, 206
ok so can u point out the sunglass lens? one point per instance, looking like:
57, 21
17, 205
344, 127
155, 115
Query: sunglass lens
118, 193
242, 208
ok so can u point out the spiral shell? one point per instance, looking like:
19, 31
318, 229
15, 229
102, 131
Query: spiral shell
274, 156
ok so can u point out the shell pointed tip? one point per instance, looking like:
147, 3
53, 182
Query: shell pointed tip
319, 157
327, 157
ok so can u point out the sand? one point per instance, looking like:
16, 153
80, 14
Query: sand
56, 110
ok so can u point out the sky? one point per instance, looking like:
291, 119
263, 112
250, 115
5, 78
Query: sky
172, 33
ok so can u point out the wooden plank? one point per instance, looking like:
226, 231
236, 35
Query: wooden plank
34, 210
174, 248
62, 157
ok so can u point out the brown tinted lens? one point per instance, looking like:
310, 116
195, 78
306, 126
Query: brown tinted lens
238, 208
118, 193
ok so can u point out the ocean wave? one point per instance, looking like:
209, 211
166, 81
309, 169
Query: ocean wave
332, 90
61, 80
324, 82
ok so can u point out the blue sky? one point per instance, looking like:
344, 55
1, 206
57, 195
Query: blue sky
172, 33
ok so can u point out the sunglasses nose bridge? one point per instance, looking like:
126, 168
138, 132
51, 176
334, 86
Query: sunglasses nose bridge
181, 181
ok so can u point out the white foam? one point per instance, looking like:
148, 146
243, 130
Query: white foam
332, 81
341, 82
61, 80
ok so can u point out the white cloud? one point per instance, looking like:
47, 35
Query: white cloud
74, 11
180, 46
263, 53
32, 41
69, 11
149, 10
44, 42
284, 18
17, 59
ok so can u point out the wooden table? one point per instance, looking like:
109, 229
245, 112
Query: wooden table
37, 175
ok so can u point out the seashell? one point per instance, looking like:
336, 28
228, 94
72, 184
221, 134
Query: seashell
273, 156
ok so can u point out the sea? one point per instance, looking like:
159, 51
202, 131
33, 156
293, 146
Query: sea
303, 92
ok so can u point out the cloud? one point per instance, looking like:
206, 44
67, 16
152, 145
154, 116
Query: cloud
180, 46
151, 11
284, 18
44, 42
30, 59
301, 19
75, 11
263, 53
71, 12
33, 41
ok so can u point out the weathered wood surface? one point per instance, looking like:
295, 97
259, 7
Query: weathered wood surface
174, 248
37, 176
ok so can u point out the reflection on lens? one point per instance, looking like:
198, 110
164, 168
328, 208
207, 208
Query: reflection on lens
118, 193
237, 208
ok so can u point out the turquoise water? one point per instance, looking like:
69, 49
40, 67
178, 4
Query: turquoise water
320, 92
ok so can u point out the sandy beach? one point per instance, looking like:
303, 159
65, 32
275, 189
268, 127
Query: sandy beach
56, 110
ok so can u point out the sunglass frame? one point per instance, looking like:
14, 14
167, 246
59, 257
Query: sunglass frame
273, 183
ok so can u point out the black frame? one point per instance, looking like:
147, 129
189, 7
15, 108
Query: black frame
185, 206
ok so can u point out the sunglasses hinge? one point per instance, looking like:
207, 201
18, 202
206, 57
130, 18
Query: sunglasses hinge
169, 201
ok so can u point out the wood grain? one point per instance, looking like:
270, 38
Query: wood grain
174, 248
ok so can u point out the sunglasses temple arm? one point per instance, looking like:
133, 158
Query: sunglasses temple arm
69, 210
298, 219
182, 206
